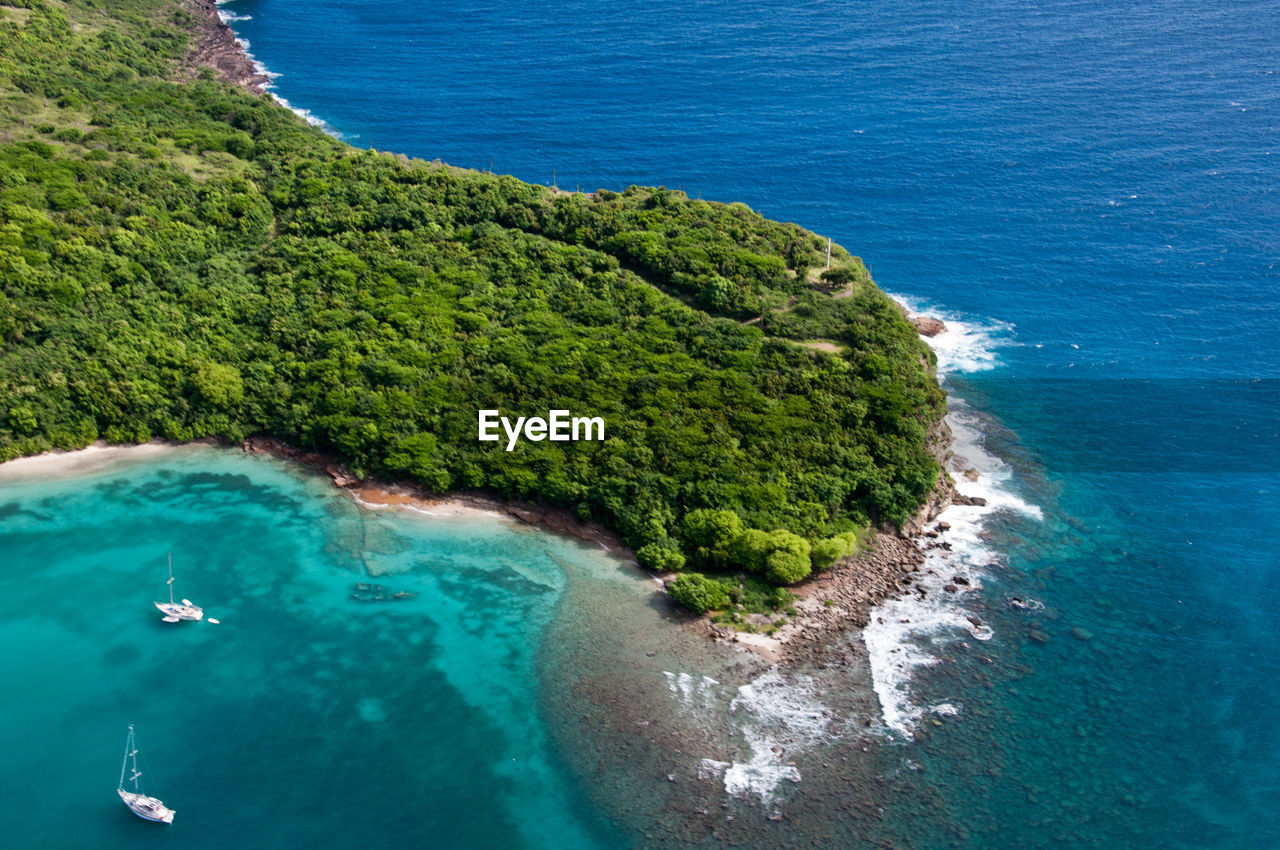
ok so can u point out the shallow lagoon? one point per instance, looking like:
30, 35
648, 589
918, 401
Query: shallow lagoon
305, 718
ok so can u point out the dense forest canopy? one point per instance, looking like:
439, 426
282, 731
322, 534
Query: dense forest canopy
182, 258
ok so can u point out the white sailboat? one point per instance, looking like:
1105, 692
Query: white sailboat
147, 808
174, 611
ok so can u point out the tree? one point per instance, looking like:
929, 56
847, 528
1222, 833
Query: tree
219, 384
711, 532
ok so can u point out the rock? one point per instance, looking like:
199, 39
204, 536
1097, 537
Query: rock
1039, 636
1081, 634
215, 45
944, 526
971, 474
928, 325
531, 517
960, 580
340, 476
950, 588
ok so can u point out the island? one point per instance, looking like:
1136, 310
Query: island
183, 258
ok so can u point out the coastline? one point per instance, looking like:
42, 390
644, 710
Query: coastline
92, 458
374, 493
831, 603
214, 45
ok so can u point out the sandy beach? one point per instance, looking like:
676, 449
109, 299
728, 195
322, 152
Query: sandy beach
87, 461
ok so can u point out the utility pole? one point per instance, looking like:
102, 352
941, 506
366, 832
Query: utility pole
828, 252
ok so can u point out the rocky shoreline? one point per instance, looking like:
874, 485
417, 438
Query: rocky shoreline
831, 603
839, 600
214, 45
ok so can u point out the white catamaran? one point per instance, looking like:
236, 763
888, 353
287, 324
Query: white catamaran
147, 808
173, 611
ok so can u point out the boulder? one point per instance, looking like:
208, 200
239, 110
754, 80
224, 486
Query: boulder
928, 325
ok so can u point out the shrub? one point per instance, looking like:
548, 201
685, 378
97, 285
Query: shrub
698, 593
831, 549
750, 550
240, 145
786, 566
781, 556
844, 274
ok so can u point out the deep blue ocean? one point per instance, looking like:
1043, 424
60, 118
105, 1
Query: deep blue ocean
1088, 191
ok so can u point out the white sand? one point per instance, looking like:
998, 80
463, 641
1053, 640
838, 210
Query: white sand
86, 461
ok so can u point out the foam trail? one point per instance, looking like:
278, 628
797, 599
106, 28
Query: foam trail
904, 633
695, 694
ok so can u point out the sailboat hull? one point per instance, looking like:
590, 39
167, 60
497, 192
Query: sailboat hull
147, 808
180, 612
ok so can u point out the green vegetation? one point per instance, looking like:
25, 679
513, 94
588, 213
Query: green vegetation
181, 259
699, 593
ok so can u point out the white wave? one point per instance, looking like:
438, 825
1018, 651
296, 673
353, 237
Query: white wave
305, 114
906, 633
968, 344
778, 719
768, 722
710, 768
696, 694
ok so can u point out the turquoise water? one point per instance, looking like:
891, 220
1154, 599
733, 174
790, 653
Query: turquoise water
304, 718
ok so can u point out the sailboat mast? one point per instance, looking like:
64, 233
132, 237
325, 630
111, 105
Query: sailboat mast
170, 578
128, 745
133, 753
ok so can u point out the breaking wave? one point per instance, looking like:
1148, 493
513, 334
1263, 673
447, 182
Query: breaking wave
906, 633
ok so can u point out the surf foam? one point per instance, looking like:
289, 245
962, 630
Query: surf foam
770, 721
906, 633
967, 345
